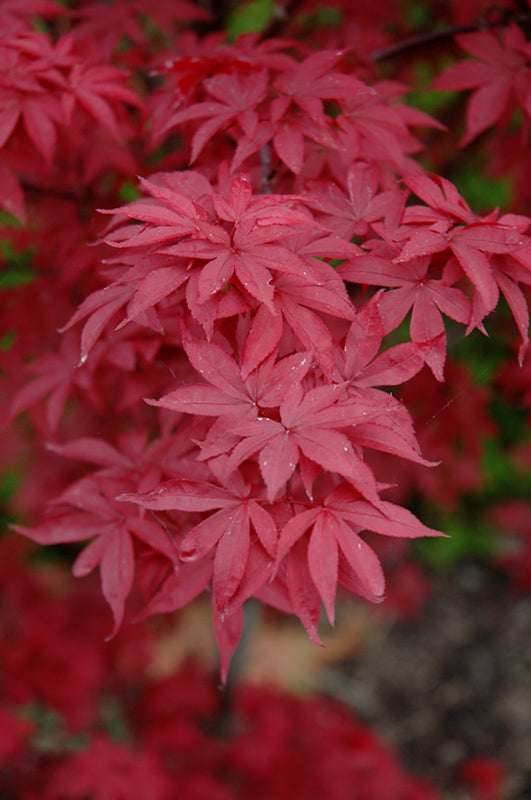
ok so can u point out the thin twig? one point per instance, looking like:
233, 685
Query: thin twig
425, 39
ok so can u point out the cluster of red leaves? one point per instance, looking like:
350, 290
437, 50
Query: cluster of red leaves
81, 718
233, 298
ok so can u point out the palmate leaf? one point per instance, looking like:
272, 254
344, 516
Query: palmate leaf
241, 522
235, 100
501, 71
229, 393
307, 426
333, 540
359, 361
94, 88
87, 510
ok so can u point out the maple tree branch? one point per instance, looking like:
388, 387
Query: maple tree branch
80, 195
425, 39
421, 40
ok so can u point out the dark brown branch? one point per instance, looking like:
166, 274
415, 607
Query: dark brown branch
422, 40
425, 39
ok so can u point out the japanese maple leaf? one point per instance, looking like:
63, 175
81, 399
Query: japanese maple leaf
350, 208
298, 111
439, 195
55, 376
235, 99
136, 460
509, 271
200, 59
180, 587
507, 278
108, 25
297, 298
88, 510
307, 425
229, 394
96, 89
100, 307
500, 70
314, 80
292, 298
415, 289
32, 75
228, 530
484, 248
362, 369
336, 552
361, 365
250, 245
473, 246
371, 129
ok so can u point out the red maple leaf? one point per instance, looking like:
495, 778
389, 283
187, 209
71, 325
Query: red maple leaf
230, 393
91, 87
307, 426
240, 520
352, 201
336, 552
362, 369
416, 290
87, 510
234, 99
55, 376
206, 240
32, 77
500, 71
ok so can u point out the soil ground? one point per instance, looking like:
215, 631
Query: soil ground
455, 684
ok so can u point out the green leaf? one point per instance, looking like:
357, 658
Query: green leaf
16, 276
129, 191
253, 17
482, 191
466, 540
7, 341
9, 482
16, 269
432, 101
417, 14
